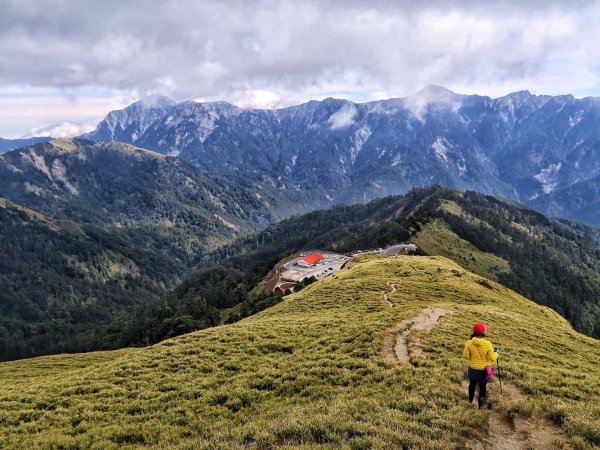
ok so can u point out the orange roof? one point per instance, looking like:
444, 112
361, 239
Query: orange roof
313, 258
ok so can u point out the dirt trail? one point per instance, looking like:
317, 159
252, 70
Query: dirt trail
507, 430
514, 432
395, 346
385, 297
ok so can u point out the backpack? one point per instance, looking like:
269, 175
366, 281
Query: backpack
489, 372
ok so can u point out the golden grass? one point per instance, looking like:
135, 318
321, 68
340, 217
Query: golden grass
309, 373
435, 238
64, 145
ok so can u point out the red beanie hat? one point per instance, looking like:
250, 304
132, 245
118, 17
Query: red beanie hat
478, 328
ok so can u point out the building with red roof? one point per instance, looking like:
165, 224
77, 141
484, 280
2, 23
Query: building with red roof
313, 259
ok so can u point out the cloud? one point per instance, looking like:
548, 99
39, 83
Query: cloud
343, 117
62, 129
256, 98
418, 103
271, 53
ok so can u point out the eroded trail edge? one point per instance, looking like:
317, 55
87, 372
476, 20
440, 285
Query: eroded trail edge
395, 345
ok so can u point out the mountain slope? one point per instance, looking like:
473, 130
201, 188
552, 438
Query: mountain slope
549, 262
519, 146
579, 201
11, 144
310, 372
61, 282
154, 202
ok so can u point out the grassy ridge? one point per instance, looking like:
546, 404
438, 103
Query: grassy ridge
309, 372
435, 238
550, 262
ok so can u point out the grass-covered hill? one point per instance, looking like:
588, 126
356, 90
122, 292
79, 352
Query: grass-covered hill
150, 200
554, 263
310, 372
61, 281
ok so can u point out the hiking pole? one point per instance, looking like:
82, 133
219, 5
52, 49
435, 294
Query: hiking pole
497, 350
499, 376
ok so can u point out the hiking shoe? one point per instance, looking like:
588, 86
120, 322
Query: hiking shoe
482, 401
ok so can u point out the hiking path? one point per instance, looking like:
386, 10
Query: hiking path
507, 430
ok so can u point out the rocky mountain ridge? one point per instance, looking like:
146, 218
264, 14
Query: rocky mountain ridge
521, 146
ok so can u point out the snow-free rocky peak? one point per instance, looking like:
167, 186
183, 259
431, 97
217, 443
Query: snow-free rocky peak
521, 146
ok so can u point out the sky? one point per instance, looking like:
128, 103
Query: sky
64, 64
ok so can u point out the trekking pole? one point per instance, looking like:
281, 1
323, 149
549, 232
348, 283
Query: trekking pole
497, 350
499, 375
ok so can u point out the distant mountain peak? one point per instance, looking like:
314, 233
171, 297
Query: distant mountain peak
517, 97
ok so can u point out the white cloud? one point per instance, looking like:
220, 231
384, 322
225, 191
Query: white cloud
268, 53
63, 129
343, 117
23, 108
418, 103
257, 98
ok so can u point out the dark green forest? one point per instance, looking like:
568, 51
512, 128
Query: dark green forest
62, 282
195, 304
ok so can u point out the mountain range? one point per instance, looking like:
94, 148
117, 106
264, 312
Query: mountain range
138, 194
12, 144
125, 225
537, 149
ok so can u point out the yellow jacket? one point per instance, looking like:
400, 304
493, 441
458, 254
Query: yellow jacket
479, 352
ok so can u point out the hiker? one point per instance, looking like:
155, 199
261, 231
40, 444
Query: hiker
480, 354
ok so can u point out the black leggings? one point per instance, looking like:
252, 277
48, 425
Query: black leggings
477, 377
482, 387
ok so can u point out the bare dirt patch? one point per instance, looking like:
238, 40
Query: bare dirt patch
395, 346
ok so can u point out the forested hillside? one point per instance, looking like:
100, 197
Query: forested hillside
150, 200
91, 228
550, 261
62, 281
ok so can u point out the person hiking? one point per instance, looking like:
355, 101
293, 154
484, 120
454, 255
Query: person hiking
480, 354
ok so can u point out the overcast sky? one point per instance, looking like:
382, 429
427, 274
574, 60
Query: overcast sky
65, 64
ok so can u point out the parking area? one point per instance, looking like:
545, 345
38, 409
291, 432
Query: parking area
302, 267
320, 264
